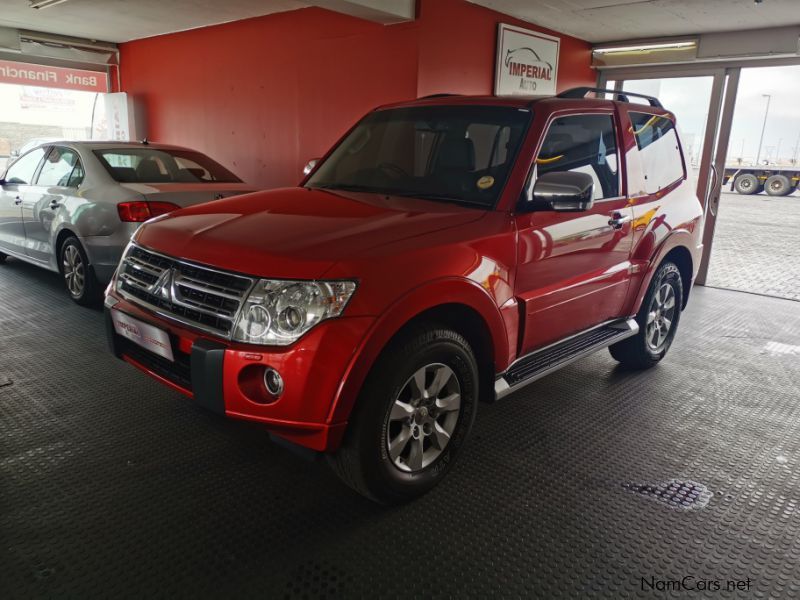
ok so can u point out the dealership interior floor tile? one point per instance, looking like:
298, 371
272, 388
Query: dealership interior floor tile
591, 481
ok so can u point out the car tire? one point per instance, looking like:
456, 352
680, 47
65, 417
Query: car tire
400, 443
778, 185
79, 279
658, 320
747, 184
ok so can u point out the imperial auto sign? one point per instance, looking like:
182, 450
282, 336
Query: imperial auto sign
527, 62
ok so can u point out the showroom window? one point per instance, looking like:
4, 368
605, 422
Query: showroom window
58, 168
662, 163
23, 170
583, 144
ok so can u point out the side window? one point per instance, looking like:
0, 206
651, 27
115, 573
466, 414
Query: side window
58, 167
22, 171
659, 149
585, 144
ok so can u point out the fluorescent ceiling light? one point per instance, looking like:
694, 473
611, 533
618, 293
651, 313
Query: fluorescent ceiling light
645, 47
44, 3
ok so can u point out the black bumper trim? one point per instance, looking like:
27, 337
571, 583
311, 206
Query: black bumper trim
207, 361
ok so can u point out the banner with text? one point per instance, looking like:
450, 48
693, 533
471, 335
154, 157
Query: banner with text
527, 62
52, 77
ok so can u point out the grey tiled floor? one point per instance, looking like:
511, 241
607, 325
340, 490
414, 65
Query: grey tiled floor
757, 245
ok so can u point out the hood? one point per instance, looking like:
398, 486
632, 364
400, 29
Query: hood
295, 233
187, 194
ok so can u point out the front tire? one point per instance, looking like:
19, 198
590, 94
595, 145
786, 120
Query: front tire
79, 279
412, 416
658, 320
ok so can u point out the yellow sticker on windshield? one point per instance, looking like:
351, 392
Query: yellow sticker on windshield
485, 182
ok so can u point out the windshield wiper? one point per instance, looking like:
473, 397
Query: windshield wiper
355, 187
441, 198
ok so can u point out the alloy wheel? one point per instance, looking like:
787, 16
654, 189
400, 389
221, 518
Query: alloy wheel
423, 417
660, 317
74, 271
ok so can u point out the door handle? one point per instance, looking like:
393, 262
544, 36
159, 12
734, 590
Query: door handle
54, 204
17, 200
617, 220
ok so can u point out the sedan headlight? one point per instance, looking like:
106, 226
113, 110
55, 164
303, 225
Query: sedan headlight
277, 313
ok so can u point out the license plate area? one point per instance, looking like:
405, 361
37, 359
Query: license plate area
147, 336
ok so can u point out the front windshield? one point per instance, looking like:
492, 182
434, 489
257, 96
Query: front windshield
449, 153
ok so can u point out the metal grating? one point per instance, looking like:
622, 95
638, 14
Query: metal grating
675, 493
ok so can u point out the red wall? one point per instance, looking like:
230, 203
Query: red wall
264, 95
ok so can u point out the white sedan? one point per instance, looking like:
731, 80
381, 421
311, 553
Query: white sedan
71, 207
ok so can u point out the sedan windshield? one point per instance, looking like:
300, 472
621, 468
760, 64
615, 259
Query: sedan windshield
161, 165
448, 153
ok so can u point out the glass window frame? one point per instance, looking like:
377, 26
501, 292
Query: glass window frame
681, 152
36, 169
62, 149
617, 124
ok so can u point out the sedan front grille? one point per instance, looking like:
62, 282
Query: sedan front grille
192, 294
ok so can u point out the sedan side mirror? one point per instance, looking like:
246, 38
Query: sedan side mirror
310, 166
566, 191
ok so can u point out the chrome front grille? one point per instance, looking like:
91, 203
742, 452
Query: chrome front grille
192, 294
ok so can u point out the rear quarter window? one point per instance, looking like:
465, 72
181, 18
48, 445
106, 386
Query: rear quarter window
660, 152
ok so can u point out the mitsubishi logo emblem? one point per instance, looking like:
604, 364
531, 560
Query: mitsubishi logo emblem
163, 285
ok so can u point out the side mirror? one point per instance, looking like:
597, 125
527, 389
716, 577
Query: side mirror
310, 166
566, 191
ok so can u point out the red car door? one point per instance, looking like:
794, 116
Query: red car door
573, 268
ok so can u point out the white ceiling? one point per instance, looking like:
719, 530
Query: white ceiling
610, 20
592, 20
123, 20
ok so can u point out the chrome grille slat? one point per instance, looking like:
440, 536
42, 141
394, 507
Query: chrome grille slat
141, 265
135, 281
194, 295
194, 284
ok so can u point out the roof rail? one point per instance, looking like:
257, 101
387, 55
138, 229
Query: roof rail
436, 96
580, 92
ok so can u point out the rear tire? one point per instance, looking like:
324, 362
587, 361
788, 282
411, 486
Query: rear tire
79, 279
658, 320
412, 416
747, 184
778, 185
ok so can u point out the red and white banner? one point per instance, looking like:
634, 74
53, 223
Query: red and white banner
52, 77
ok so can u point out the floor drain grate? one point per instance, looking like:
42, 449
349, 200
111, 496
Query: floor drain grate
675, 493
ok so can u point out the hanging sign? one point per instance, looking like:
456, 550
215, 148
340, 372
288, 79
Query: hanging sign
52, 77
527, 62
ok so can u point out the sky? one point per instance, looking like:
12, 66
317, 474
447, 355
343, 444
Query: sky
689, 97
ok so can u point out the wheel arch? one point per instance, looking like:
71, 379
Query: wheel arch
682, 258
465, 309
61, 237
678, 248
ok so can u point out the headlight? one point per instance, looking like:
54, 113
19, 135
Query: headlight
277, 313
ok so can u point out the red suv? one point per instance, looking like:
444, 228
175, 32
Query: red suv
447, 250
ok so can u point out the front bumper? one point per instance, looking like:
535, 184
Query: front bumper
227, 377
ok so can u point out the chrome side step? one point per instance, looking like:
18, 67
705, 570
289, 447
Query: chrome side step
542, 362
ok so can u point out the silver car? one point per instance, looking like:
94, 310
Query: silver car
72, 207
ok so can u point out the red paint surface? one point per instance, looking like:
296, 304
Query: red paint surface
265, 95
530, 277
